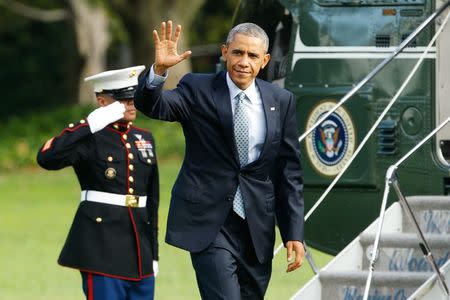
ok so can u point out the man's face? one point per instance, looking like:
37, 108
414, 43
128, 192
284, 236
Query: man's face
244, 57
130, 110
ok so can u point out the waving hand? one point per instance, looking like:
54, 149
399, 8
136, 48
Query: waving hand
166, 54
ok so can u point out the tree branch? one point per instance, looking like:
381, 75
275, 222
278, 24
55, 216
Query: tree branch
43, 15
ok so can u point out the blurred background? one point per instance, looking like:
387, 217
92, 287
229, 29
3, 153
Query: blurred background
47, 48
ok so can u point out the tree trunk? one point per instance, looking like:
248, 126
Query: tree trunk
142, 16
92, 30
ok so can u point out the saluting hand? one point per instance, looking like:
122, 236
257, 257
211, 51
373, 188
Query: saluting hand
166, 54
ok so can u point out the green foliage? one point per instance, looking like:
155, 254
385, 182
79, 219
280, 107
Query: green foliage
39, 61
213, 22
23, 136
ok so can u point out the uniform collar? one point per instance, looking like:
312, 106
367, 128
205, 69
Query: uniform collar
121, 126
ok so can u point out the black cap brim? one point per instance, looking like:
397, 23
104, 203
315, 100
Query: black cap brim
122, 94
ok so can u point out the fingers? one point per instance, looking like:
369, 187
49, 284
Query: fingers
289, 246
297, 247
163, 31
166, 31
169, 30
294, 265
185, 55
155, 37
177, 33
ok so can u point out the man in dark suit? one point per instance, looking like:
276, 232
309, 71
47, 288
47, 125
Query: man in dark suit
242, 164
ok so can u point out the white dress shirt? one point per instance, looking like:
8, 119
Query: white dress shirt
254, 108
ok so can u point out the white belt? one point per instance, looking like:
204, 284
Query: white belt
114, 199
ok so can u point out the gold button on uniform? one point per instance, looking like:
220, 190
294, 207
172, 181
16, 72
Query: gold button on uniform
124, 136
98, 220
149, 160
82, 121
131, 167
110, 158
130, 156
130, 190
110, 173
131, 179
128, 145
116, 126
71, 125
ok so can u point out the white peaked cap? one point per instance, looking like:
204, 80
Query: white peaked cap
115, 79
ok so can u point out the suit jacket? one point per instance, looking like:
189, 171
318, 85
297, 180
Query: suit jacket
115, 241
204, 190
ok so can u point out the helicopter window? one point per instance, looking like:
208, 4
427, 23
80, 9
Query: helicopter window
277, 22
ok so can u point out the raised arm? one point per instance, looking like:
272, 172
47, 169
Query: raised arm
149, 97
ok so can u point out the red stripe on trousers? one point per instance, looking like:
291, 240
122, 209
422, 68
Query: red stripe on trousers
90, 287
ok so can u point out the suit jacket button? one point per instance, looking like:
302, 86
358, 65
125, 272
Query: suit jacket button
229, 198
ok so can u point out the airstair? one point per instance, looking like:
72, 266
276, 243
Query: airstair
400, 268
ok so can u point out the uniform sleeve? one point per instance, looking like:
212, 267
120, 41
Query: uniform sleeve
66, 149
153, 205
288, 180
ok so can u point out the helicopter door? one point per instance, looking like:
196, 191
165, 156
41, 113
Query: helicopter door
276, 22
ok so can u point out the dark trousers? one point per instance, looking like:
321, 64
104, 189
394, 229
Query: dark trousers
99, 287
228, 268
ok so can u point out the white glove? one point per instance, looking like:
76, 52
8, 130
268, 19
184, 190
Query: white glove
155, 268
102, 116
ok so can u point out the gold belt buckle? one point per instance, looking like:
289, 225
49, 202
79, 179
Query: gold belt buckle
132, 201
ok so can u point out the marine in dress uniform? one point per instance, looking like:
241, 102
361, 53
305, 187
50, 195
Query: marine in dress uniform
113, 240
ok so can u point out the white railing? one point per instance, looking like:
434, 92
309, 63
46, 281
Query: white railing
392, 180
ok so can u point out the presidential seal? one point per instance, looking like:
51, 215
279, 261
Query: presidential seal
332, 143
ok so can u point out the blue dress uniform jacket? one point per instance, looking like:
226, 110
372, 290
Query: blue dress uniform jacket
106, 239
202, 196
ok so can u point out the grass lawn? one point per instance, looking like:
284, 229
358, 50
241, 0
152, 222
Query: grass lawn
37, 208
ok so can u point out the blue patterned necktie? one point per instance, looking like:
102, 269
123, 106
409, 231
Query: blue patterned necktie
241, 137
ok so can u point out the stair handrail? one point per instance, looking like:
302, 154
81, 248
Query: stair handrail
391, 175
391, 179
386, 109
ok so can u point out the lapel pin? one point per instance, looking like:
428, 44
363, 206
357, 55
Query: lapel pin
272, 108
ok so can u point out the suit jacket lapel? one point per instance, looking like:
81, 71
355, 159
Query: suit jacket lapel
272, 113
221, 96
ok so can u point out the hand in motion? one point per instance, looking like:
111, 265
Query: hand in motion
102, 116
166, 54
297, 247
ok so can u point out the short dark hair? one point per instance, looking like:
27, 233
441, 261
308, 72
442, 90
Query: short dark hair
249, 29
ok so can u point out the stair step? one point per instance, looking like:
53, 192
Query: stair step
429, 202
406, 240
386, 279
384, 285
